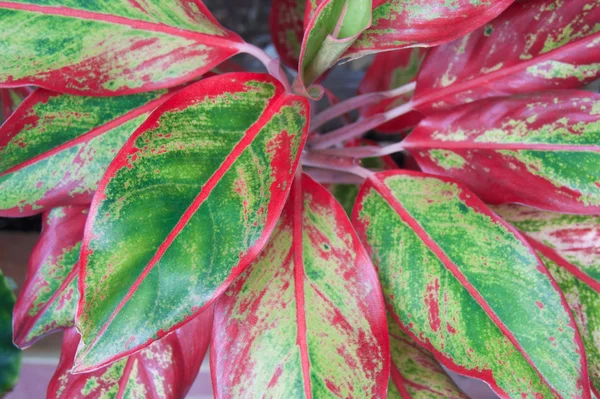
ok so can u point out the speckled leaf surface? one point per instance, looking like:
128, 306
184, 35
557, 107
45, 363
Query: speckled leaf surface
56, 147
286, 22
415, 374
10, 355
10, 100
109, 47
48, 300
450, 268
184, 208
307, 319
536, 149
422, 23
164, 370
569, 247
390, 70
534, 45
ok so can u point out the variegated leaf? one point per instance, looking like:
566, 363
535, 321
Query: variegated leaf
10, 100
536, 149
164, 370
56, 147
415, 374
185, 206
307, 319
388, 71
286, 22
534, 45
109, 47
10, 356
48, 300
465, 285
422, 23
569, 245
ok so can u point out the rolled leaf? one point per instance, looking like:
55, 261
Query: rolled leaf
307, 319
541, 150
109, 48
56, 147
449, 270
415, 372
388, 71
10, 355
286, 22
424, 23
10, 100
534, 45
183, 209
568, 246
164, 370
48, 300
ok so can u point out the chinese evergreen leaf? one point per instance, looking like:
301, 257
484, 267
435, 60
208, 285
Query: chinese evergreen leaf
10, 100
331, 30
415, 374
185, 206
537, 149
388, 71
286, 22
111, 47
568, 245
10, 355
164, 370
56, 147
450, 268
422, 23
307, 319
48, 300
534, 45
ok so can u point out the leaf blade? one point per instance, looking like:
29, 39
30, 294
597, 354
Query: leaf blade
10, 359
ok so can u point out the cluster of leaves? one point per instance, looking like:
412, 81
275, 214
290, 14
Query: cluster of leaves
182, 206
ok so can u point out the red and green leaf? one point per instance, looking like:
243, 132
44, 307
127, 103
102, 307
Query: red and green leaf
10, 355
184, 208
164, 370
286, 22
534, 45
415, 374
48, 300
388, 71
568, 245
10, 100
109, 48
56, 147
307, 319
422, 23
462, 283
537, 149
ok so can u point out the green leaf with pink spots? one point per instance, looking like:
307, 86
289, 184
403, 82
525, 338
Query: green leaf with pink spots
183, 209
568, 246
56, 147
467, 287
111, 47
48, 299
10, 355
307, 319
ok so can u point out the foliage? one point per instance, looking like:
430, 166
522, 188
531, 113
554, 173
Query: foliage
184, 205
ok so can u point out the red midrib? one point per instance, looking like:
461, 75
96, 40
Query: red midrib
386, 193
271, 108
125, 377
399, 381
214, 40
431, 144
435, 94
299, 276
148, 107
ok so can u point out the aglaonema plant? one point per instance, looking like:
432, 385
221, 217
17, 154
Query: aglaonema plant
184, 207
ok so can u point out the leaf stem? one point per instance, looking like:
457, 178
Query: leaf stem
358, 128
272, 65
359, 101
341, 164
363, 152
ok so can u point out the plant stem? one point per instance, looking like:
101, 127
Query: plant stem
359, 101
363, 152
325, 176
341, 164
271, 64
358, 128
